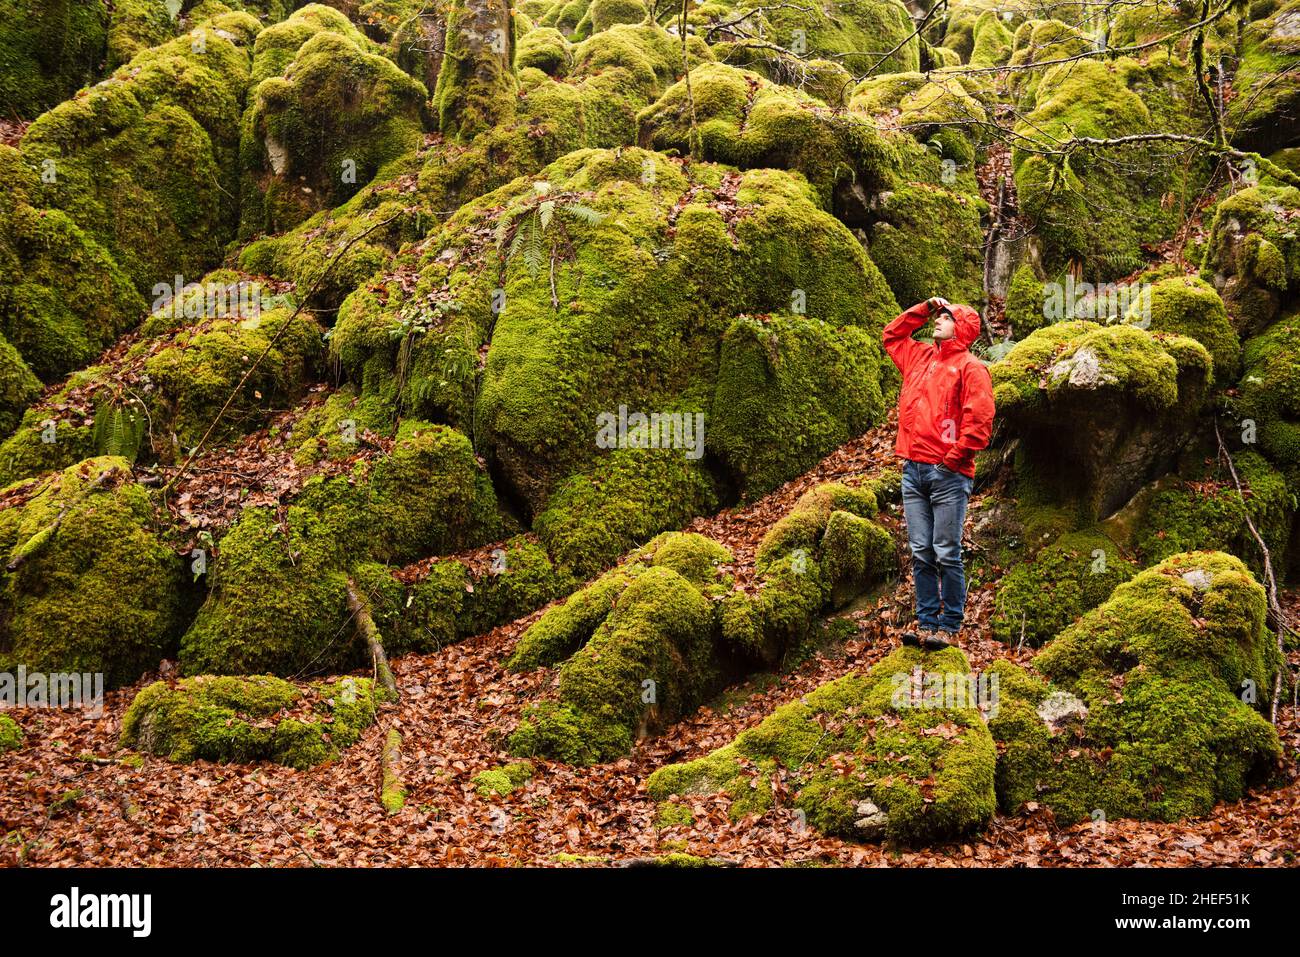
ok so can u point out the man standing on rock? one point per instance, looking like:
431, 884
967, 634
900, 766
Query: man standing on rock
945, 416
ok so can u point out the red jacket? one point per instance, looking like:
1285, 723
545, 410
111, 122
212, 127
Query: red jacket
945, 409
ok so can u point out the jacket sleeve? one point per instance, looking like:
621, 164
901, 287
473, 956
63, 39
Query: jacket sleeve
977, 411
897, 336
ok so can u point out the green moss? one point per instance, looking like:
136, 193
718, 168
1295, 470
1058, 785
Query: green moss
670, 814
972, 21
647, 297
1100, 208
62, 297
322, 131
1168, 669
11, 734
1190, 307
927, 763
992, 41
48, 50
1268, 45
392, 792
1211, 515
1025, 301
1270, 394
19, 387
927, 238
476, 86
101, 593
796, 377
562, 630
627, 496
258, 718
146, 162
135, 26
649, 663
545, 49
1130, 396
1036, 600
747, 121
1252, 253
503, 781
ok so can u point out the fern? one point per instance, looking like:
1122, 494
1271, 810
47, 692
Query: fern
119, 428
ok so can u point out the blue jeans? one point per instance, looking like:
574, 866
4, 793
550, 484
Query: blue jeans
934, 504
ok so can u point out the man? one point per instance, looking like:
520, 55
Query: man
945, 416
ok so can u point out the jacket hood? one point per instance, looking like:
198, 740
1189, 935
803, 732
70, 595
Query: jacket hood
967, 323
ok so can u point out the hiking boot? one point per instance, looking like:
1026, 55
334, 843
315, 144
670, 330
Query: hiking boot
917, 638
939, 640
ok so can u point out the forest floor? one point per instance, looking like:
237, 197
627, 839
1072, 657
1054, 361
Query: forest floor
67, 798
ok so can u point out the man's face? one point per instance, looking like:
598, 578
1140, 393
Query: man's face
945, 327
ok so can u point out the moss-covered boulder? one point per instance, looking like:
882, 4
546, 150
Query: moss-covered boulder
146, 162
816, 385
860, 35
1268, 117
49, 49
93, 588
259, 718
1152, 707
63, 299
747, 121
651, 639
1086, 210
1188, 306
279, 598
316, 134
476, 83
1201, 510
1268, 405
1038, 599
1130, 398
1252, 255
19, 387
900, 752
926, 237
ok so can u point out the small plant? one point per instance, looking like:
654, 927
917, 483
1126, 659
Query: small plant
120, 426
534, 229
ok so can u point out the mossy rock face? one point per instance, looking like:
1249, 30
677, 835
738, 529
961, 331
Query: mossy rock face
800, 378
11, 734
622, 499
1151, 700
1038, 599
747, 121
63, 299
1040, 41
1026, 301
1188, 306
279, 593
476, 83
926, 237
146, 162
968, 22
1086, 213
855, 36
320, 132
98, 593
650, 291
1130, 398
136, 25
19, 387
1269, 401
1252, 254
49, 49
1270, 117
651, 639
452, 601
258, 718
1203, 511
900, 752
